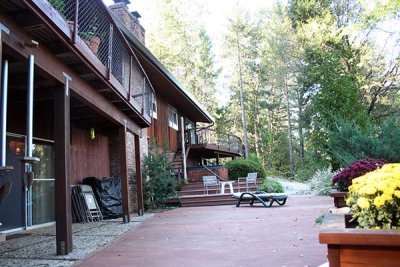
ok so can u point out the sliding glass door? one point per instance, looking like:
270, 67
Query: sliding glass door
43, 184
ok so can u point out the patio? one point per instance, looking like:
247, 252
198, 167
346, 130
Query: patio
224, 236
201, 236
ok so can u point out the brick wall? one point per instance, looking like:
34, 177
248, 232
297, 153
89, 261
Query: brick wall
130, 21
196, 174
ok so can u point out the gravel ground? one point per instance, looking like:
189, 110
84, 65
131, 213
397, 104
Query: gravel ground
37, 247
294, 188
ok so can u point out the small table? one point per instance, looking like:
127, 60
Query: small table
223, 183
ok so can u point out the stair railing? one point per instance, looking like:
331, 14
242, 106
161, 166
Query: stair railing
214, 173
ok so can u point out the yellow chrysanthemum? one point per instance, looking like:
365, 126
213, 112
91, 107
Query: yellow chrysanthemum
379, 201
367, 190
363, 203
397, 193
349, 201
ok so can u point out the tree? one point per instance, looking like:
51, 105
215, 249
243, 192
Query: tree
184, 47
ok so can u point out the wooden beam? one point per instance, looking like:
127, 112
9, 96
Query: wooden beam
62, 172
139, 185
55, 68
124, 174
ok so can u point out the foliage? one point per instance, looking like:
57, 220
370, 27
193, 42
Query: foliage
270, 185
321, 181
184, 47
374, 199
241, 167
309, 166
344, 178
349, 142
158, 183
303, 65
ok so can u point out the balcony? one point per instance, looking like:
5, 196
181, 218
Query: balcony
208, 143
93, 38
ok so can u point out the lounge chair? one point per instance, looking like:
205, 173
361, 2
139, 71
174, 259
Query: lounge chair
250, 179
210, 181
261, 197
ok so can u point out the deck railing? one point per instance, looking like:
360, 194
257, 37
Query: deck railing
207, 136
90, 21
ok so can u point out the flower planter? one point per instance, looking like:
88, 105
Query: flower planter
93, 43
359, 247
339, 198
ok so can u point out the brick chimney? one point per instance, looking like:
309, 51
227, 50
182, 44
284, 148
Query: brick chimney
131, 20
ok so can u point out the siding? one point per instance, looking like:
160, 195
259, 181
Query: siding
164, 135
88, 157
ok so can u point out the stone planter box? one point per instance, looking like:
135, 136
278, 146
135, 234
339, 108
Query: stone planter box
359, 247
339, 198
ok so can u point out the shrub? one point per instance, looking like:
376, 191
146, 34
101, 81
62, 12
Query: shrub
343, 179
241, 167
269, 184
321, 181
158, 180
374, 199
350, 142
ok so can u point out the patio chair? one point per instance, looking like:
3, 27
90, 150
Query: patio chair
261, 197
210, 181
250, 179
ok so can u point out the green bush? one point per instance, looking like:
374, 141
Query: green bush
351, 142
159, 183
269, 184
241, 167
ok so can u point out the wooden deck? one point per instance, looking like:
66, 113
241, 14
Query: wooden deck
192, 195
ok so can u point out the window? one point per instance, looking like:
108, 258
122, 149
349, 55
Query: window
154, 106
172, 118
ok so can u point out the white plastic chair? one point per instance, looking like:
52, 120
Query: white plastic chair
250, 179
210, 181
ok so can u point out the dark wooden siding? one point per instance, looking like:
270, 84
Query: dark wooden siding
88, 157
164, 135
43, 119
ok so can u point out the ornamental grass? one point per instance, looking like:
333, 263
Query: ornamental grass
374, 198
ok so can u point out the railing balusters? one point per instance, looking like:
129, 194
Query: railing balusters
110, 50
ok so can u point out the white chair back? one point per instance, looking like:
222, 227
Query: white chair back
251, 177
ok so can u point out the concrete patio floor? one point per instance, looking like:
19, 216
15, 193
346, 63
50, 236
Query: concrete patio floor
223, 236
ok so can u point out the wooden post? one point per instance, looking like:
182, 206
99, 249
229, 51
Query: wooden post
124, 174
76, 22
62, 170
139, 185
183, 148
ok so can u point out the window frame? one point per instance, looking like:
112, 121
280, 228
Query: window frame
172, 112
154, 107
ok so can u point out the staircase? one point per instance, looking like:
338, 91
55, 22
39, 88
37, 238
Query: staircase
177, 163
192, 195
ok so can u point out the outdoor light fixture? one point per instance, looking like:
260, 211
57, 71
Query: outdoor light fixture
92, 133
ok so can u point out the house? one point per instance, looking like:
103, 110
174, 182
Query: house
176, 111
82, 96
69, 112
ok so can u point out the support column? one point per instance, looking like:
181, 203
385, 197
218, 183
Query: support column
183, 148
139, 184
62, 170
124, 174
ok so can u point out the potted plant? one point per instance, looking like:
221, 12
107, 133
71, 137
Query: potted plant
374, 200
90, 35
343, 179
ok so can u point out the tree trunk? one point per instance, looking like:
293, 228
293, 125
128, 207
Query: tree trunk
246, 140
291, 159
256, 123
301, 134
